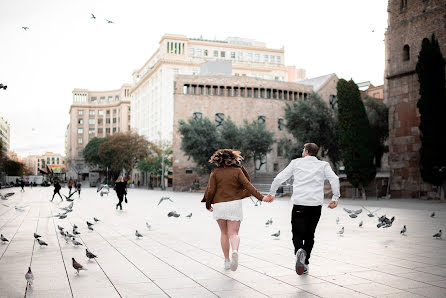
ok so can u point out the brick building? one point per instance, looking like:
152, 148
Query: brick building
409, 22
219, 97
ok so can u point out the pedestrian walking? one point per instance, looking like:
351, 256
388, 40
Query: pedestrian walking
22, 185
78, 187
228, 185
120, 188
139, 183
57, 188
70, 185
308, 196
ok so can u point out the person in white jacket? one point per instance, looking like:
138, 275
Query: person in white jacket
308, 196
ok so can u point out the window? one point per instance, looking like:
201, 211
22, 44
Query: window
249, 56
278, 59
91, 121
114, 120
52, 160
406, 53
107, 130
333, 101
265, 58
198, 52
102, 99
101, 113
80, 130
80, 153
280, 124
100, 121
215, 53
114, 111
185, 89
100, 130
91, 131
239, 56
108, 112
47, 160
219, 118
197, 115
222, 54
189, 171
232, 55
205, 53
129, 118
93, 98
191, 52
79, 140
271, 59
114, 129
261, 119
58, 160
110, 98
80, 121
257, 57
91, 113
403, 4
80, 112
280, 149
107, 120
116, 97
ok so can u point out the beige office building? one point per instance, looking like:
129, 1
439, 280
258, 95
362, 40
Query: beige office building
4, 135
153, 84
94, 114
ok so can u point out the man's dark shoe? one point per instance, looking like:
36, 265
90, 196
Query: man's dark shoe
301, 255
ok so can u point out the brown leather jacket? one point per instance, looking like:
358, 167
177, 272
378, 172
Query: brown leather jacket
229, 184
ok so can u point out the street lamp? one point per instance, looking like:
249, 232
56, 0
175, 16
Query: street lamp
3, 86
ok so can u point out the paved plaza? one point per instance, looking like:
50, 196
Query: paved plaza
181, 257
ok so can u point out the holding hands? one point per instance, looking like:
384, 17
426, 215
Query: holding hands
332, 204
269, 198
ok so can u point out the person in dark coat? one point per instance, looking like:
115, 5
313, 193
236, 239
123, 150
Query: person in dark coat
57, 188
120, 187
70, 185
22, 185
78, 187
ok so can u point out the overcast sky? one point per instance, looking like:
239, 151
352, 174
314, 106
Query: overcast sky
65, 49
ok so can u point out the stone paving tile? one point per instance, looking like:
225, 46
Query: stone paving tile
181, 257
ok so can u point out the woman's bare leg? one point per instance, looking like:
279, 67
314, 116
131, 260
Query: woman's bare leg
234, 239
224, 238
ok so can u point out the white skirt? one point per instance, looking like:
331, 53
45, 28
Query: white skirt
232, 210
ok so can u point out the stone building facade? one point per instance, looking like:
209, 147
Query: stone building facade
4, 135
409, 22
219, 97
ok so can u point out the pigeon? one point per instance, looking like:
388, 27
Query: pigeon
95, 219
437, 235
69, 196
137, 234
25, 28
103, 186
189, 216
62, 233
41, 242
341, 232
176, 215
18, 208
90, 255
77, 266
360, 224
277, 234
37, 235
75, 232
269, 222
433, 214
379, 225
69, 235
92, 16
75, 242
90, 228
62, 216
109, 22
4, 197
89, 223
148, 225
163, 199
357, 211
173, 213
353, 215
3, 239
60, 228
75, 227
337, 220
403, 231
29, 276
371, 214
347, 210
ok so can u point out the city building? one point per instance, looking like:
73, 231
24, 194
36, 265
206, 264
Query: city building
325, 87
41, 164
153, 84
4, 135
94, 114
409, 22
368, 89
219, 97
30, 162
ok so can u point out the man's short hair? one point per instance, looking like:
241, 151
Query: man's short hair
312, 149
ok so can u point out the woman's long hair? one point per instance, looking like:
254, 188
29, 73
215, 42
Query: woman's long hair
226, 158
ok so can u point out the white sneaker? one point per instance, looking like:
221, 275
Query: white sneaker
234, 262
300, 261
227, 264
306, 269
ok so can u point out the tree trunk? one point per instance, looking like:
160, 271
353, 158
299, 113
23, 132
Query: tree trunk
363, 192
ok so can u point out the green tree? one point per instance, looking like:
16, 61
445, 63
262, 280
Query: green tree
122, 151
355, 136
199, 140
14, 168
230, 136
91, 152
152, 164
432, 106
378, 114
312, 121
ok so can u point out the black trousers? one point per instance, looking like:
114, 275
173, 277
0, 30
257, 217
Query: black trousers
121, 198
56, 192
304, 220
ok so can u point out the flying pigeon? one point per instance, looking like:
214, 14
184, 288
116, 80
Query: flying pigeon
4, 197
90, 228
370, 213
60, 228
189, 216
357, 211
353, 215
276, 234
90, 255
433, 214
103, 186
137, 234
95, 219
109, 22
437, 235
337, 220
29, 276
360, 224
89, 223
347, 210
25, 28
3, 239
69, 196
148, 225
41, 242
403, 231
163, 199
37, 235
92, 16
75, 242
77, 266
341, 232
